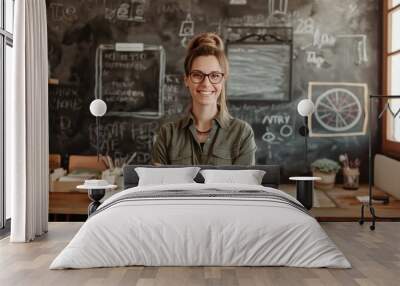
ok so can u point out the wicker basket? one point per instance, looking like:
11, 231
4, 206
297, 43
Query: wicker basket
327, 181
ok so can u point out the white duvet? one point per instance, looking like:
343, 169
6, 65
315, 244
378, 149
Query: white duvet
200, 231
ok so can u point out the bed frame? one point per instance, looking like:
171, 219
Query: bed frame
270, 179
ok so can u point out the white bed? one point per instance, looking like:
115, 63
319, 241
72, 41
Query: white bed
185, 230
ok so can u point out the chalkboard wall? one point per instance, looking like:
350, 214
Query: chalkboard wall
334, 62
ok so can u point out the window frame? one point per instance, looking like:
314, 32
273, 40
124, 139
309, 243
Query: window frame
389, 147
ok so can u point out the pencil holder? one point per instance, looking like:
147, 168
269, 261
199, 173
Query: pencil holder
114, 177
351, 178
109, 176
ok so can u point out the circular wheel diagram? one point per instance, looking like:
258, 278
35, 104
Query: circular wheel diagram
338, 110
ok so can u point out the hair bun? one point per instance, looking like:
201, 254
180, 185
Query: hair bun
211, 40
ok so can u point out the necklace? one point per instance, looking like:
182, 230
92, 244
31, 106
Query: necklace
203, 132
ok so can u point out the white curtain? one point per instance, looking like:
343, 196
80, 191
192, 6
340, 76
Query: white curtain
27, 146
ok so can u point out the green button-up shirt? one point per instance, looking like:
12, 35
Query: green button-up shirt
230, 142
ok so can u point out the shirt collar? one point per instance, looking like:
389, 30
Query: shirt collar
221, 121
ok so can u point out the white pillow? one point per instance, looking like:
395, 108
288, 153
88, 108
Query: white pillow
249, 177
163, 176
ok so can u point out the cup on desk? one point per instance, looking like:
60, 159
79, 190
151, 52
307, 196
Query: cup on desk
351, 178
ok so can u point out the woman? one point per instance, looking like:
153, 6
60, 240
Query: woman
207, 134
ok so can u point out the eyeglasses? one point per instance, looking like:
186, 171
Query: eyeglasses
198, 76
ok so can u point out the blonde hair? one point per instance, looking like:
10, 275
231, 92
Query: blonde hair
209, 44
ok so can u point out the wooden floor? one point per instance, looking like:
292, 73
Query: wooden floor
374, 255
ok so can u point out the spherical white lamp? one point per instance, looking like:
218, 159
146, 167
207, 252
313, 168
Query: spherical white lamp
98, 107
305, 107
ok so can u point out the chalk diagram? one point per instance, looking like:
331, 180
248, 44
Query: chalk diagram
186, 30
338, 109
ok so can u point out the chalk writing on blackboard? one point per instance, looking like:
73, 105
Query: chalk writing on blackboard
133, 11
340, 109
175, 99
130, 79
314, 58
305, 26
123, 135
282, 125
59, 12
65, 103
356, 43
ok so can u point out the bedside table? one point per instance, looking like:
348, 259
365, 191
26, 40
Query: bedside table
305, 189
95, 194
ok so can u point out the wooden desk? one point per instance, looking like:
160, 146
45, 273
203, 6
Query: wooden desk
68, 203
73, 202
349, 208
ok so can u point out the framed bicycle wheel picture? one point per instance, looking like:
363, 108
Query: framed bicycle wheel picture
341, 109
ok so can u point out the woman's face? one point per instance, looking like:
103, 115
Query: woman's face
205, 92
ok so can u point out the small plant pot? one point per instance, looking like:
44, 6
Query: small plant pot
327, 181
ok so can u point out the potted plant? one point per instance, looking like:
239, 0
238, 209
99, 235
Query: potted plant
327, 170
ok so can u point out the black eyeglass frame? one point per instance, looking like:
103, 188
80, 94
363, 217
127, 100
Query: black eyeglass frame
204, 75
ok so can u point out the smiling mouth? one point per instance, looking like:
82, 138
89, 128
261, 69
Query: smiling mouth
205, 93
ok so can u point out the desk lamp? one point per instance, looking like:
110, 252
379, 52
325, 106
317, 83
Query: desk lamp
305, 108
98, 108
